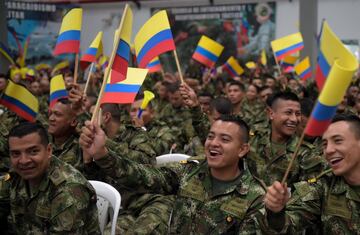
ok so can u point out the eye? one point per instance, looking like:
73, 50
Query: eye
34, 152
210, 136
226, 139
14, 154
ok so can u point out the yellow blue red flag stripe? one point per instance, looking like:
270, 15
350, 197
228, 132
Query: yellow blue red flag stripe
287, 45
57, 89
207, 51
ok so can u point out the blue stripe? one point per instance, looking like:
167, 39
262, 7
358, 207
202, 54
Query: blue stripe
156, 62
69, 35
91, 51
324, 66
285, 50
206, 53
123, 50
231, 68
153, 41
323, 112
20, 104
58, 94
305, 72
122, 88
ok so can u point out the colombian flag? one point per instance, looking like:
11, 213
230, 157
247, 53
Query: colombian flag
287, 45
103, 61
233, 68
62, 65
93, 52
57, 89
21, 101
344, 65
124, 92
302, 69
153, 39
154, 65
207, 51
122, 42
69, 35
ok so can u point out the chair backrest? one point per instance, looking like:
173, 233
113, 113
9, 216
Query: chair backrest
171, 157
107, 196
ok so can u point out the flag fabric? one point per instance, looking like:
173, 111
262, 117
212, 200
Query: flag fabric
338, 80
330, 49
233, 67
153, 39
124, 92
303, 69
6, 53
122, 36
57, 89
68, 40
39, 67
287, 45
92, 53
21, 101
289, 61
154, 65
250, 65
263, 57
103, 61
207, 51
62, 65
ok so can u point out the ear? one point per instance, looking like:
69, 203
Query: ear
49, 150
74, 122
245, 148
106, 117
270, 113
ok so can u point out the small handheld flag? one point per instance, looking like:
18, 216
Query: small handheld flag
153, 39
69, 36
148, 96
154, 65
302, 69
92, 53
250, 65
287, 45
21, 101
233, 68
207, 51
57, 89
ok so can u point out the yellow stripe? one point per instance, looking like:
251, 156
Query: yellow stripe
57, 83
22, 94
287, 41
134, 76
211, 45
127, 26
302, 66
72, 20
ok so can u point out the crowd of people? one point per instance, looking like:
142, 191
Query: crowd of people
241, 133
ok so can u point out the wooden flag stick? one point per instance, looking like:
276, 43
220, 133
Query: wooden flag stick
108, 68
178, 66
293, 157
76, 67
88, 78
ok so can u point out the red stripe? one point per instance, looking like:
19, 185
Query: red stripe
320, 78
71, 46
306, 76
155, 68
120, 66
289, 52
118, 98
229, 71
202, 59
18, 110
116, 77
164, 46
88, 58
316, 128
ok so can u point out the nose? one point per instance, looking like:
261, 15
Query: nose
24, 159
293, 117
329, 149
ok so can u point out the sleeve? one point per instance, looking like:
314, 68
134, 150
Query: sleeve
163, 180
4, 204
74, 211
311, 162
200, 123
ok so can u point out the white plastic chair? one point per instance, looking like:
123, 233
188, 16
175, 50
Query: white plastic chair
171, 157
106, 194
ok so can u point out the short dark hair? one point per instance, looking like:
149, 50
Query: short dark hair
352, 120
286, 95
222, 105
26, 128
237, 83
306, 106
173, 87
113, 109
238, 121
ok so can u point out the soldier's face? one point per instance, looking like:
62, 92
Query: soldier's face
285, 117
29, 157
147, 114
251, 93
341, 149
61, 122
235, 94
204, 102
175, 99
224, 147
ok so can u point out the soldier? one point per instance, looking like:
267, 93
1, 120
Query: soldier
273, 146
331, 200
236, 93
252, 110
217, 196
44, 195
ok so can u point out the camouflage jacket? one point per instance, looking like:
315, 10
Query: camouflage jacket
252, 113
64, 203
268, 167
197, 210
135, 143
161, 135
329, 203
201, 123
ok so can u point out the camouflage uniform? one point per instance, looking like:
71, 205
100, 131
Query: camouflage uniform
252, 113
330, 203
198, 208
134, 143
270, 167
159, 105
64, 203
201, 123
162, 136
